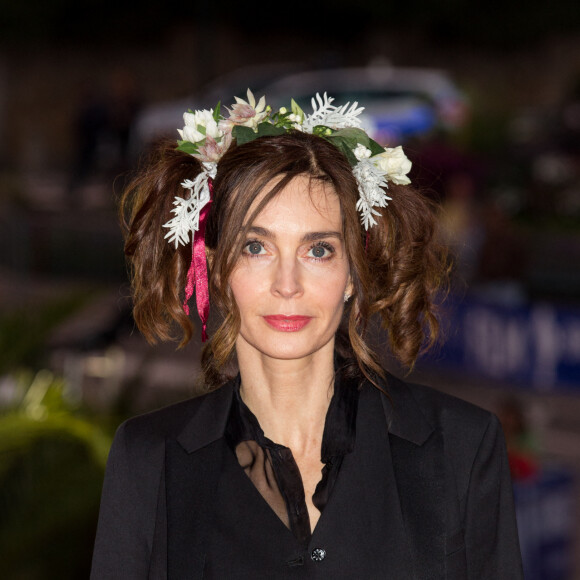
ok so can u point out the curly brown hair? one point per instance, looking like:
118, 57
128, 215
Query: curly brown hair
397, 270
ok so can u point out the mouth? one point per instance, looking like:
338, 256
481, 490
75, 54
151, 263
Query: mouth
287, 323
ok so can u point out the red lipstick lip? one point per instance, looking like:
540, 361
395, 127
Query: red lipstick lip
287, 323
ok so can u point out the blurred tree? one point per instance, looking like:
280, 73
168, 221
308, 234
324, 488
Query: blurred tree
24, 331
51, 467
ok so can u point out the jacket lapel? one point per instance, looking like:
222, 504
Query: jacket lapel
194, 459
193, 464
419, 467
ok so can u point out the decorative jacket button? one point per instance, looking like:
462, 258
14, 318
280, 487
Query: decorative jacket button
318, 554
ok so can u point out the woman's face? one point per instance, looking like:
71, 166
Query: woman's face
290, 280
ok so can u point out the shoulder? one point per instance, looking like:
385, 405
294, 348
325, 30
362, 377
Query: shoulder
446, 449
442, 411
466, 434
154, 428
162, 422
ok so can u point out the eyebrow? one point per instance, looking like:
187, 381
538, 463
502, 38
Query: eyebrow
308, 237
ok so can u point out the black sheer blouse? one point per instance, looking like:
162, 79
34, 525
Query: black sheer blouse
272, 468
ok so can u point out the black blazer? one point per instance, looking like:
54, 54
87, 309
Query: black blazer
448, 459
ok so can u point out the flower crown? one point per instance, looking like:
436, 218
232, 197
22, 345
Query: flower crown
207, 135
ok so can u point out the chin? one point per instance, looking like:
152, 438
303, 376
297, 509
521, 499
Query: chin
287, 346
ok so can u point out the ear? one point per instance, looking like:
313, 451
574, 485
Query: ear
349, 286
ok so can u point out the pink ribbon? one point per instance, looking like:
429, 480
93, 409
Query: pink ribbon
197, 273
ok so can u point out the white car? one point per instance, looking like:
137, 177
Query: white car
399, 102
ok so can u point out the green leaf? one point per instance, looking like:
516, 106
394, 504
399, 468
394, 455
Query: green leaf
296, 109
216, 112
347, 152
189, 147
376, 148
201, 129
281, 120
353, 136
347, 139
345, 146
277, 118
268, 130
243, 134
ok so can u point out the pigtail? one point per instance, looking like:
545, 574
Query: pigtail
410, 270
158, 269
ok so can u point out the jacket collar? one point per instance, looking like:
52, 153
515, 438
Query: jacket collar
405, 419
402, 412
208, 424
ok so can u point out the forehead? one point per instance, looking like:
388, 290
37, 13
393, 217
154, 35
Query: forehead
305, 204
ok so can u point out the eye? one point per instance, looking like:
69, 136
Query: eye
321, 251
254, 248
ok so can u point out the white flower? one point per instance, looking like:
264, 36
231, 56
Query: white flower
325, 113
395, 165
198, 125
213, 138
248, 113
361, 152
187, 210
371, 187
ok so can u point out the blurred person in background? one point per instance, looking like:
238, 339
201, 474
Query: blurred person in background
89, 127
461, 228
125, 103
102, 128
522, 446
304, 457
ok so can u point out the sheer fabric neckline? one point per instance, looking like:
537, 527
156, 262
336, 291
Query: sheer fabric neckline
271, 467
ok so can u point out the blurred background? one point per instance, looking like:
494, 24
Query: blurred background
486, 102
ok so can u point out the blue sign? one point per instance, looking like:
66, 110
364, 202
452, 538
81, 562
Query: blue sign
545, 514
536, 345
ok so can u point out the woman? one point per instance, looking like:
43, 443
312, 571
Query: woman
305, 459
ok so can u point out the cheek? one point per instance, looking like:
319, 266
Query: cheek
329, 287
239, 286
337, 298
246, 287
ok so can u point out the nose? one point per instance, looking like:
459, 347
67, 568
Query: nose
286, 282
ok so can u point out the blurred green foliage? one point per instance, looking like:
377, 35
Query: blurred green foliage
52, 460
52, 454
24, 331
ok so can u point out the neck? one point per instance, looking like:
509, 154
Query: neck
290, 398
